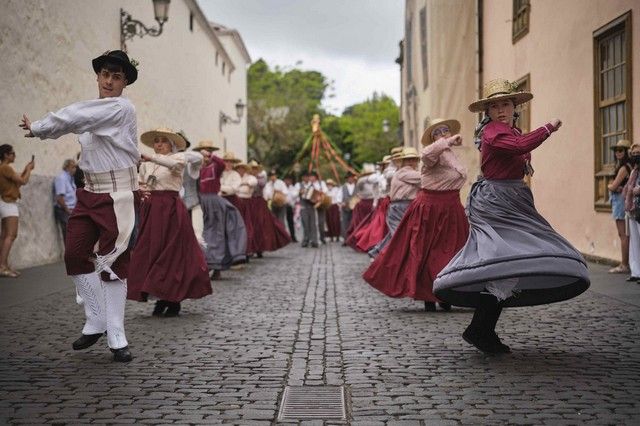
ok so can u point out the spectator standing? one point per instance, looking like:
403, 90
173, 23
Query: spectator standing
621, 173
631, 195
64, 195
10, 183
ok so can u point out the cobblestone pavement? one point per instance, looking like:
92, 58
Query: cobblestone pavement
305, 317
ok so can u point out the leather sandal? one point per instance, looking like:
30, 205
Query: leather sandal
6, 272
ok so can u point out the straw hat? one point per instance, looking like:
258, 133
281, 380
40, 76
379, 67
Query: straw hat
499, 89
385, 160
147, 138
241, 165
453, 125
622, 143
367, 169
409, 152
395, 152
330, 182
231, 157
254, 165
206, 144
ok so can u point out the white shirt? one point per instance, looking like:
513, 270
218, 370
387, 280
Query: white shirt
336, 194
293, 194
350, 188
271, 187
107, 129
230, 182
248, 183
167, 170
366, 187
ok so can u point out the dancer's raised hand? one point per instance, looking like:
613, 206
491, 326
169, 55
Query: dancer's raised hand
455, 140
25, 124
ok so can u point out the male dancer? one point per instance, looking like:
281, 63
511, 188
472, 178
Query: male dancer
105, 212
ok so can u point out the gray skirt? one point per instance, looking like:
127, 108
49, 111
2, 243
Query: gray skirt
224, 232
512, 252
395, 213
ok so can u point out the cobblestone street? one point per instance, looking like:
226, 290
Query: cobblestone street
305, 317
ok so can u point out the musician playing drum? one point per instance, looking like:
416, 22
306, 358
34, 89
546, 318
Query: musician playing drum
275, 193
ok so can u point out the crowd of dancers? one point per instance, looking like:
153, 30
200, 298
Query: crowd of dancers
406, 214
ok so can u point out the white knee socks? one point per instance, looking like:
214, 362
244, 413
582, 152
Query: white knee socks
104, 304
115, 294
89, 288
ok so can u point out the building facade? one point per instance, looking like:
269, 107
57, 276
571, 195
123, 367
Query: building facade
577, 58
187, 76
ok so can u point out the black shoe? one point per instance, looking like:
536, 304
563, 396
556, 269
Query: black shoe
445, 306
480, 341
429, 306
304, 244
122, 354
632, 278
173, 310
158, 310
259, 255
215, 275
314, 245
85, 341
499, 346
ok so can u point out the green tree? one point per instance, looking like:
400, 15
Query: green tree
281, 104
362, 128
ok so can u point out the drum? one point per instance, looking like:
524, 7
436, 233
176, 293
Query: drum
353, 201
325, 202
279, 199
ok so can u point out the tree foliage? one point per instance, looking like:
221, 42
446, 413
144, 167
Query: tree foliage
282, 103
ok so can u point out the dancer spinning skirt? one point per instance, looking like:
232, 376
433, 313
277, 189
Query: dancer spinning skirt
434, 226
513, 257
333, 211
404, 186
169, 263
374, 231
269, 233
362, 212
248, 183
224, 232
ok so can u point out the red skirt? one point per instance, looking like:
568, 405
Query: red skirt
244, 206
374, 231
167, 261
333, 221
360, 217
433, 230
270, 234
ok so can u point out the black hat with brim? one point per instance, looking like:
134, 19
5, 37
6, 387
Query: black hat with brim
119, 57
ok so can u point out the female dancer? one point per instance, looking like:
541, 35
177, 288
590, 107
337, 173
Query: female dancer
169, 263
513, 257
434, 226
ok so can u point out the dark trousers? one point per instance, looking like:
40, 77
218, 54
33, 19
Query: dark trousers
290, 224
486, 314
345, 221
62, 217
322, 223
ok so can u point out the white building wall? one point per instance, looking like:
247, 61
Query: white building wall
234, 135
47, 49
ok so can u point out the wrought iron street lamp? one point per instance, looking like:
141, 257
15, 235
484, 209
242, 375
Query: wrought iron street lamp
224, 118
129, 27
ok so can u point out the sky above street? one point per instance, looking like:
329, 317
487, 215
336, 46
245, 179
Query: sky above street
352, 42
